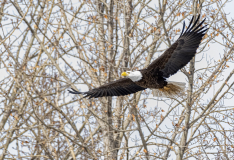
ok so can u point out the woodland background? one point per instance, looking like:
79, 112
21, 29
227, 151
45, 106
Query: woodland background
48, 46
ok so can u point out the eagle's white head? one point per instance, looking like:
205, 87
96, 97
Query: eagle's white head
134, 76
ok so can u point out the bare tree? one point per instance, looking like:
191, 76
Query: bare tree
48, 46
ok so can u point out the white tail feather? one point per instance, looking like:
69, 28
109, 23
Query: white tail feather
172, 89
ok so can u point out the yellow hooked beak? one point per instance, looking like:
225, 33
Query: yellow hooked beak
124, 74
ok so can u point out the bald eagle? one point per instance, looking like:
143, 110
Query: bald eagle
154, 76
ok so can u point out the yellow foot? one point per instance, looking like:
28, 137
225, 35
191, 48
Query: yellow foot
166, 88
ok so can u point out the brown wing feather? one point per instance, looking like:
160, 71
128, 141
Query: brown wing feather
180, 52
121, 87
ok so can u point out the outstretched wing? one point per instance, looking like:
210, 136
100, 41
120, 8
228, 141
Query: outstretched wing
180, 52
121, 87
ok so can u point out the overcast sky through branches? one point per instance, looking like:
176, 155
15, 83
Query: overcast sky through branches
49, 46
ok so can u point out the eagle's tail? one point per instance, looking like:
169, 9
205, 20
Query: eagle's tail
172, 89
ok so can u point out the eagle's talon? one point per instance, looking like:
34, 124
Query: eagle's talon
166, 88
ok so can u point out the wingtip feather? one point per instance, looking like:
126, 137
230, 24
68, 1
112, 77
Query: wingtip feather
74, 91
182, 29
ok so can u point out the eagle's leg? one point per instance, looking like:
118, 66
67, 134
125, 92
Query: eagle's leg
166, 88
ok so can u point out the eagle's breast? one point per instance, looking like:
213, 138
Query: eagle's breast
151, 80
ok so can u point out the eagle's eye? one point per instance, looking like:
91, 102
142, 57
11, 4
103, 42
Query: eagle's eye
128, 72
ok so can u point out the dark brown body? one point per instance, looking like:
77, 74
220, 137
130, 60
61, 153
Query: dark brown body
149, 80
